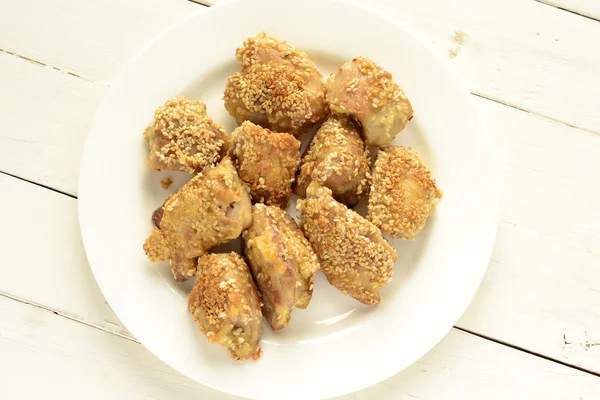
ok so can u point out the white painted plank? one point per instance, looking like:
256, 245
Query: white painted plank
542, 282
45, 146
45, 356
534, 294
524, 53
43, 258
44, 118
49, 357
542, 287
588, 8
90, 38
521, 52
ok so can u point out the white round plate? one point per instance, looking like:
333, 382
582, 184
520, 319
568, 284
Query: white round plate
337, 345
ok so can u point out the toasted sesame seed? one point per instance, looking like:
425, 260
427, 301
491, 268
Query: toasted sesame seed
279, 87
184, 138
352, 253
365, 91
403, 195
267, 162
282, 262
336, 158
203, 213
218, 309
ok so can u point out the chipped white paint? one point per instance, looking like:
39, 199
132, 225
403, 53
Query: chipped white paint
524, 53
544, 264
541, 291
68, 360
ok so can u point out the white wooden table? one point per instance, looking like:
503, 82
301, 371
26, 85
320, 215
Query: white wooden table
533, 330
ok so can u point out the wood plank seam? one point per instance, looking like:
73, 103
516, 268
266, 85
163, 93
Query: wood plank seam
108, 328
132, 339
207, 3
473, 92
68, 316
41, 64
524, 350
548, 3
39, 184
507, 104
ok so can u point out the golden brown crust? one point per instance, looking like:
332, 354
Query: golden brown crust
166, 183
184, 138
282, 262
366, 91
336, 158
403, 195
266, 162
352, 253
279, 87
226, 305
210, 209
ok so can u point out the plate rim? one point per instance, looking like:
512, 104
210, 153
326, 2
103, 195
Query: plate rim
479, 122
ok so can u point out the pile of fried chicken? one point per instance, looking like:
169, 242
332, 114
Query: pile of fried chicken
242, 184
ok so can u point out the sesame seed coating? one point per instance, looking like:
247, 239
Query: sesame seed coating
352, 253
336, 158
266, 162
184, 138
226, 305
210, 209
279, 87
366, 91
403, 194
282, 261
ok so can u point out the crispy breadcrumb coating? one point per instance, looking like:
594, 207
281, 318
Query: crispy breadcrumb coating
336, 158
403, 194
266, 162
184, 138
283, 263
352, 253
366, 91
279, 87
226, 306
166, 183
210, 209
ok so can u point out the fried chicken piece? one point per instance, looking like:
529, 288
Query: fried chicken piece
282, 261
184, 138
226, 306
365, 91
266, 162
279, 87
403, 195
210, 209
352, 253
336, 158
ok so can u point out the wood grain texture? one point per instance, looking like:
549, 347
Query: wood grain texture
92, 39
43, 257
586, 8
97, 365
541, 287
51, 142
523, 53
541, 290
44, 118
